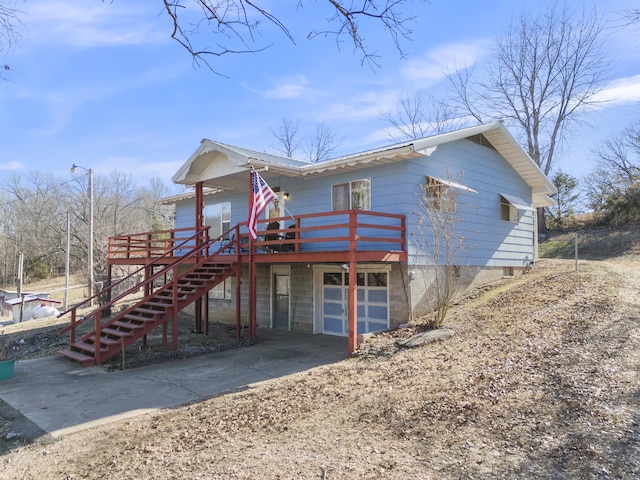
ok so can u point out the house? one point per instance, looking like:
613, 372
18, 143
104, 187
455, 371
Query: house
28, 306
343, 250
503, 189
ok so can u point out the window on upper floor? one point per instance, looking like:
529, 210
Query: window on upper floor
439, 195
508, 211
354, 195
218, 217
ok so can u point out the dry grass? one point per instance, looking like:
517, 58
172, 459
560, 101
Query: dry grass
539, 381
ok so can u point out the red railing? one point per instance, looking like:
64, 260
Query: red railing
326, 231
200, 238
152, 244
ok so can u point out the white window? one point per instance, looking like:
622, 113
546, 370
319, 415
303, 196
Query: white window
510, 207
354, 195
218, 217
222, 291
439, 195
508, 212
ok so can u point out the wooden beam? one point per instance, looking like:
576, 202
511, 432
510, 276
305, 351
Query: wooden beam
352, 302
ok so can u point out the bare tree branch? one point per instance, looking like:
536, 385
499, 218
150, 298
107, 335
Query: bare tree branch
287, 135
236, 24
322, 144
419, 116
546, 71
9, 33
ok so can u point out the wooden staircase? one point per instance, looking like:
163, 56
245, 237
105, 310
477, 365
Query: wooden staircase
153, 310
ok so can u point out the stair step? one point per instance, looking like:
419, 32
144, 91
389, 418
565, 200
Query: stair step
148, 311
151, 303
81, 358
117, 333
132, 326
87, 347
109, 341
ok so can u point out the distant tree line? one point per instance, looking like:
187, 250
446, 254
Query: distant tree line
33, 220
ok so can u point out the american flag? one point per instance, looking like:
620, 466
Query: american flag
261, 195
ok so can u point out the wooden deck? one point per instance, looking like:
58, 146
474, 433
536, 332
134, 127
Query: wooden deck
329, 237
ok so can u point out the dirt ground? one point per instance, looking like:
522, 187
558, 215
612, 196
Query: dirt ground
540, 380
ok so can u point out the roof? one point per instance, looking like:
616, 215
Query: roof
31, 298
223, 167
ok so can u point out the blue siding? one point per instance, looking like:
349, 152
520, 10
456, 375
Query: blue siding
488, 240
395, 188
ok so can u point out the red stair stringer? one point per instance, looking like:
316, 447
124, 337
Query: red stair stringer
152, 311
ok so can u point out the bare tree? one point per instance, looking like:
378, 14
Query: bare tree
321, 145
613, 185
236, 24
441, 246
287, 136
545, 72
9, 22
33, 216
419, 116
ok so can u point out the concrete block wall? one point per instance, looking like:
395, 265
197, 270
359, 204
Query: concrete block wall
301, 298
399, 295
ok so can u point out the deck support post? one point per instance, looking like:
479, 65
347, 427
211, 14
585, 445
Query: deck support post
108, 295
238, 300
198, 317
199, 210
252, 295
352, 302
206, 313
174, 326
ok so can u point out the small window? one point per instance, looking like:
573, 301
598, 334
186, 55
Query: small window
440, 196
507, 271
218, 217
222, 291
352, 195
508, 212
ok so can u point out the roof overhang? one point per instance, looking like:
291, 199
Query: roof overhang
224, 167
517, 202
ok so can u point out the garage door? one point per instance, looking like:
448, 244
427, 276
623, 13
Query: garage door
373, 305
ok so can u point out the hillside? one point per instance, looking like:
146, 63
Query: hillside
539, 381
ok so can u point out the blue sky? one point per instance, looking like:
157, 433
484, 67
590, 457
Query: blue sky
101, 84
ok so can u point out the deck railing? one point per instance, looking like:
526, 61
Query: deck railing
154, 244
326, 231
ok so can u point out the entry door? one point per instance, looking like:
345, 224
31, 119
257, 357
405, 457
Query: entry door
373, 309
281, 293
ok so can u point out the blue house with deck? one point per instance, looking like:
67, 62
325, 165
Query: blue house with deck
347, 247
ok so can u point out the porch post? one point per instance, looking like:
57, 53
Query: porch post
206, 313
199, 209
252, 292
352, 303
252, 274
238, 302
198, 316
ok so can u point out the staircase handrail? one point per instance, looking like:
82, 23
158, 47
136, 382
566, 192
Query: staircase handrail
189, 254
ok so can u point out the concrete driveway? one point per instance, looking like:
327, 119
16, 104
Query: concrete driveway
60, 397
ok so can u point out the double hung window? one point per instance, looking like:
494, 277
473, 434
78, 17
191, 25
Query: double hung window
218, 217
354, 195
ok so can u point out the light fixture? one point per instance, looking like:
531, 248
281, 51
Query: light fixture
285, 195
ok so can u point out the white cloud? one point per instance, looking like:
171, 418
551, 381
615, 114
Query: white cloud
621, 91
435, 64
289, 88
83, 24
15, 165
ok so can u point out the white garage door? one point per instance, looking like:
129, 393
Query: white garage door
373, 305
